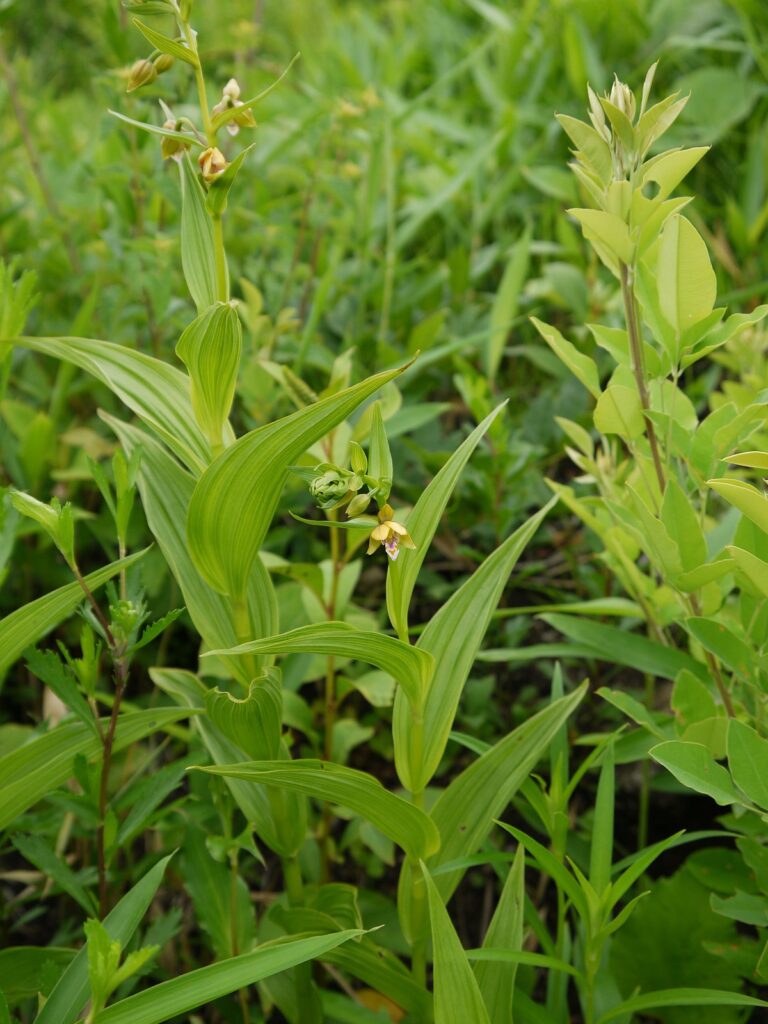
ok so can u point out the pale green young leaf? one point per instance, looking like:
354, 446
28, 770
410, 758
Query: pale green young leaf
423, 521
619, 411
201, 987
747, 499
234, 501
657, 119
668, 169
70, 993
158, 393
607, 229
750, 460
755, 569
693, 765
40, 766
686, 281
505, 305
166, 45
453, 637
198, 258
496, 979
398, 819
210, 349
457, 995
580, 365
683, 525
25, 626
748, 761
465, 811
166, 490
410, 666
591, 148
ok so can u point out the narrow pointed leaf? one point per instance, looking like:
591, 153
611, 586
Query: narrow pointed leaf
496, 978
398, 819
198, 259
411, 666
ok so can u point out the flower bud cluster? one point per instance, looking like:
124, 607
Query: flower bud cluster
144, 71
230, 100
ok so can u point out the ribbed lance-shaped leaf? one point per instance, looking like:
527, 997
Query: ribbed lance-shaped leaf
497, 980
405, 824
411, 666
71, 991
284, 837
254, 724
423, 521
210, 349
166, 490
453, 636
465, 811
37, 768
458, 999
236, 497
159, 394
32, 621
198, 259
178, 996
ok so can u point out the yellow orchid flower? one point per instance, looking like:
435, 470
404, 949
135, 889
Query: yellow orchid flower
391, 534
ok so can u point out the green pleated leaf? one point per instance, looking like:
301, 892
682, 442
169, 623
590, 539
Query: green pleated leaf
166, 45
253, 723
453, 637
284, 838
25, 626
496, 978
465, 811
166, 491
385, 973
157, 393
198, 258
457, 995
236, 498
398, 819
617, 645
71, 992
38, 767
423, 521
201, 987
679, 997
210, 349
411, 666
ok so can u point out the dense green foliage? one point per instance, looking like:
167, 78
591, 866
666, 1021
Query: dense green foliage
335, 457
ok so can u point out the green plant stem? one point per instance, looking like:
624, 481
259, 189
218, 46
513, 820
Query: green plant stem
241, 620
638, 367
220, 257
418, 911
713, 666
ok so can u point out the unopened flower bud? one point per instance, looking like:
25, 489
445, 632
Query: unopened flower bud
232, 90
330, 486
358, 505
212, 163
163, 62
142, 73
622, 97
172, 148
